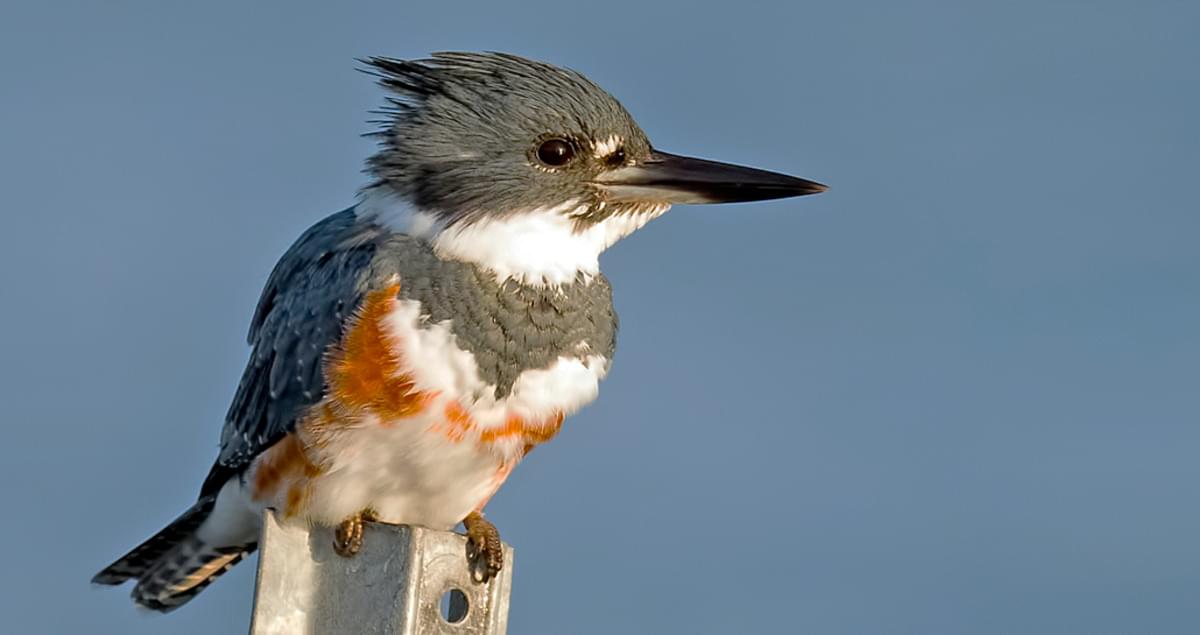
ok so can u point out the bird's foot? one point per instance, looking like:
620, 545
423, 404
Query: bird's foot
348, 537
485, 552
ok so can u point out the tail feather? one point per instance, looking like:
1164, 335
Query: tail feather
172, 566
135, 563
184, 572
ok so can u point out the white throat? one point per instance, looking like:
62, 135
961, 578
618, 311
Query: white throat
536, 247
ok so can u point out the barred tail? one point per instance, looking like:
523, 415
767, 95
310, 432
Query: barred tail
183, 572
174, 565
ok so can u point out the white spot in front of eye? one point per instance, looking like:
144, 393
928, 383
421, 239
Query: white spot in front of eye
605, 147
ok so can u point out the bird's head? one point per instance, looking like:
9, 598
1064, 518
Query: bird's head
530, 169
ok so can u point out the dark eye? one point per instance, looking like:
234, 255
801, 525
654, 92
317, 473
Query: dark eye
555, 152
617, 158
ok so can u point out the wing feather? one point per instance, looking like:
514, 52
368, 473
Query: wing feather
308, 295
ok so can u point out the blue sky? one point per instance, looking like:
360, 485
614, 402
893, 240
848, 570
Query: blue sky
955, 394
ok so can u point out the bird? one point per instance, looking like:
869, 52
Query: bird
409, 351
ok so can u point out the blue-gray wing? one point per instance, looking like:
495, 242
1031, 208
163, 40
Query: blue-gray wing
312, 290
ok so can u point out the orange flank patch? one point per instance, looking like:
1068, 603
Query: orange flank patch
285, 464
365, 371
321, 418
533, 433
297, 495
458, 423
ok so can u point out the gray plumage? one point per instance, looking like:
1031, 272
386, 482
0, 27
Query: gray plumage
460, 128
320, 281
467, 138
456, 144
509, 327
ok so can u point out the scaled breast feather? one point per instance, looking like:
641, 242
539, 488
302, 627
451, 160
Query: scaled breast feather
508, 327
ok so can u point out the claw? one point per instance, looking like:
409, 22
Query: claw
485, 552
348, 537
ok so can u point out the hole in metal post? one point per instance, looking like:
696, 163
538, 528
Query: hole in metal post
454, 606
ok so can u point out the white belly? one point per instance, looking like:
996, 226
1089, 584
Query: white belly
406, 473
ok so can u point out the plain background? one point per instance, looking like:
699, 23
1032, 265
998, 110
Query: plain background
955, 394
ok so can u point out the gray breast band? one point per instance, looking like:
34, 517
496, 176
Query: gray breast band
509, 327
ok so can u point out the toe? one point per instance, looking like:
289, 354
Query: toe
485, 552
347, 538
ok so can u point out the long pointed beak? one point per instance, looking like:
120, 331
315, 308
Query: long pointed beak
671, 178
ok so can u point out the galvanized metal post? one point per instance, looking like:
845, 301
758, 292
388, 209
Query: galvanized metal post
395, 586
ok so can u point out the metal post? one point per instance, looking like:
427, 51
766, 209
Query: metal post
394, 586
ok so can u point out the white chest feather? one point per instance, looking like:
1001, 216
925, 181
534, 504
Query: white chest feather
436, 464
437, 364
421, 469
542, 246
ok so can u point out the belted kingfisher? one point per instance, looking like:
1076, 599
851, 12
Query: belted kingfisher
409, 351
